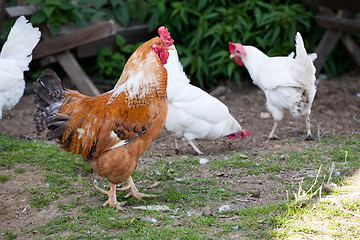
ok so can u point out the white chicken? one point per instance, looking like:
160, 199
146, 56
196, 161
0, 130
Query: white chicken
288, 82
15, 57
193, 113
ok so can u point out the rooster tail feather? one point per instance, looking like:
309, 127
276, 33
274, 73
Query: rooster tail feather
49, 93
21, 41
304, 69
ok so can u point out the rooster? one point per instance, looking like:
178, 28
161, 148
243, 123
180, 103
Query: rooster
288, 82
15, 57
193, 113
110, 131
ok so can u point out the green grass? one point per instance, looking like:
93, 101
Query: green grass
194, 199
5, 177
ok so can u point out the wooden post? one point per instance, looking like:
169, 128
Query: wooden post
74, 39
76, 74
323, 50
2, 13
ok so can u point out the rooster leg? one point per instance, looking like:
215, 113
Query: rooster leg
112, 202
308, 130
133, 191
192, 144
272, 134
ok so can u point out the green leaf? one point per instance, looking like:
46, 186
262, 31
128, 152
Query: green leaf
38, 17
80, 20
99, 3
114, 3
153, 22
201, 4
230, 68
48, 10
37, 2
120, 40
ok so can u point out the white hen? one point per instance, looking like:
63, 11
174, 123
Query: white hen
288, 83
15, 57
193, 113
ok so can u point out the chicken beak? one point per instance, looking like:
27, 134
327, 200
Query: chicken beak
232, 55
171, 47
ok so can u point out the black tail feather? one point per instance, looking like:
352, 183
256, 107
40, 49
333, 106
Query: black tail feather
49, 93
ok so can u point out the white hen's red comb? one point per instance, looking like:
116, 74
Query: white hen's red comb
165, 36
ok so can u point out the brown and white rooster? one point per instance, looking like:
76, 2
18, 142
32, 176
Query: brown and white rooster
110, 131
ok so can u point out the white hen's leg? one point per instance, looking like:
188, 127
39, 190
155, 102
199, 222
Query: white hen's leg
176, 143
272, 134
192, 144
277, 115
133, 191
308, 129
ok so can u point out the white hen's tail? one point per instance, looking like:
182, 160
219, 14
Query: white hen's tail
304, 69
21, 41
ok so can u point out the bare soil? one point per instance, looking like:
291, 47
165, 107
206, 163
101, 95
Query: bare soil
335, 111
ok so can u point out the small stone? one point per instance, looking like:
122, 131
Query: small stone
152, 220
264, 115
224, 208
203, 160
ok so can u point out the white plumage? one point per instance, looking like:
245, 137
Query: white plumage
193, 113
15, 57
288, 82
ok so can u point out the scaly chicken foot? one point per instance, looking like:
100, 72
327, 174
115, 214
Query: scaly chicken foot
177, 151
272, 135
112, 201
308, 129
192, 144
133, 191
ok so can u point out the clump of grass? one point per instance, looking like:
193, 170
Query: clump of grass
20, 170
5, 177
9, 235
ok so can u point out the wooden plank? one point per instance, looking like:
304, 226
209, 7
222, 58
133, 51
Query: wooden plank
2, 14
76, 74
74, 39
132, 34
15, 12
352, 48
350, 5
338, 24
324, 48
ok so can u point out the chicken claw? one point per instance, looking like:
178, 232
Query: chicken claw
133, 191
112, 202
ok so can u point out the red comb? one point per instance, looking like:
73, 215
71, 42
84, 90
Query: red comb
165, 36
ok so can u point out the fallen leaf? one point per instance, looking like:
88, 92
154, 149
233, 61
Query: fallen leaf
154, 185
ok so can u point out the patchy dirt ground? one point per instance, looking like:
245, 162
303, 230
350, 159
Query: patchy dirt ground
336, 111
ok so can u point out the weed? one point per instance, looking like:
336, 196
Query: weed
9, 235
5, 177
